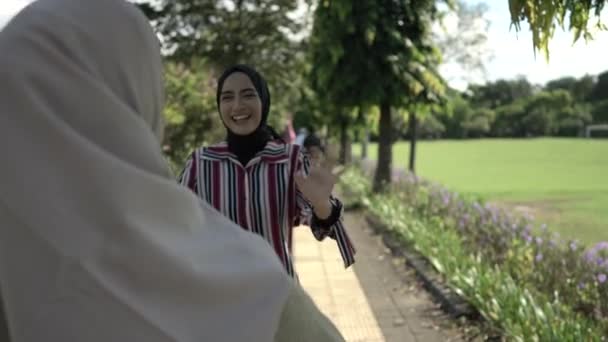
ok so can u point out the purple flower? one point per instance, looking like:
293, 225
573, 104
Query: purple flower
526, 236
581, 285
573, 246
539, 257
601, 278
446, 199
539, 241
589, 257
598, 247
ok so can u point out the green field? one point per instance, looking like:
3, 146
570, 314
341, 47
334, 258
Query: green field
561, 182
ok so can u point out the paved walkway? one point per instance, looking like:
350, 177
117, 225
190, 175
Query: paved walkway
377, 300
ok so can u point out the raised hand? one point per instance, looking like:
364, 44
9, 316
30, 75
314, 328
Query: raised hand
319, 185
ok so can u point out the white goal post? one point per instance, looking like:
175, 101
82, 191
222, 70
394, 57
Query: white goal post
592, 128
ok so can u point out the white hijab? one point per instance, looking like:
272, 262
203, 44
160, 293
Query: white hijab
97, 240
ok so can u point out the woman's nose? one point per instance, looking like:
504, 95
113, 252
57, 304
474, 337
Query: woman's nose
237, 102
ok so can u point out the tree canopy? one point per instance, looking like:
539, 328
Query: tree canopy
545, 16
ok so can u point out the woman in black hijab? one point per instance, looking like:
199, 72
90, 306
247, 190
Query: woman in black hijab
257, 180
248, 135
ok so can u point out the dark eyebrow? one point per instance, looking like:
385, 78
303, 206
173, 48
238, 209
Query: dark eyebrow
248, 89
227, 92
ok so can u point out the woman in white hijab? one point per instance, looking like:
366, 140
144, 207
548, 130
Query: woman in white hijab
97, 240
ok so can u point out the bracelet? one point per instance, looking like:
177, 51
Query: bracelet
336, 212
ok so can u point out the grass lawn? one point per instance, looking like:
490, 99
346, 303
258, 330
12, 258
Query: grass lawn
561, 182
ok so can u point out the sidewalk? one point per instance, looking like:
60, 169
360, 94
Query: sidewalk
377, 300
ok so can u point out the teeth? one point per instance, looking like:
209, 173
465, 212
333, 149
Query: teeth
240, 117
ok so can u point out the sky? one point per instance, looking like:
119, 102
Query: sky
512, 52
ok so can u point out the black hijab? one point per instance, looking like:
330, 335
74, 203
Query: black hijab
245, 147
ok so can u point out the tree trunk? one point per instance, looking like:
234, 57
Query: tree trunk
413, 123
385, 144
365, 142
344, 144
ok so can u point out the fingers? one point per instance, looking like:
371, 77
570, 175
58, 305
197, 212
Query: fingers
331, 157
329, 164
338, 171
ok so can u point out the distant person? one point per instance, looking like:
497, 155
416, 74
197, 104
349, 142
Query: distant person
302, 134
97, 241
258, 180
289, 135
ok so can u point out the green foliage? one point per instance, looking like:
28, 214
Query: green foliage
499, 93
479, 123
352, 188
545, 16
530, 287
455, 113
542, 111
190, 111
572, 119
515, 108
374, 53
580, 89
223, 33
600, 112
600, 89
346, 74
508, 121
430, 127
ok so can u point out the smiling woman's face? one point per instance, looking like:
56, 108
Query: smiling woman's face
240, 105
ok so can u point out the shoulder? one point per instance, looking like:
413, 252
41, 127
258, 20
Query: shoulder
276, 150
219, 150
220, 146
293, 151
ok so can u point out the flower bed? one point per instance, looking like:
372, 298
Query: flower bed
529, 283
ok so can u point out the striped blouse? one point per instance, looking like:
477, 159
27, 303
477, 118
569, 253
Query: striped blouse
262, 197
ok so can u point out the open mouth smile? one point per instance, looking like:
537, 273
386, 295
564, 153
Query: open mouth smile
237, 118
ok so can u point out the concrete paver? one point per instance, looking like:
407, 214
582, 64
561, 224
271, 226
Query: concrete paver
372, 301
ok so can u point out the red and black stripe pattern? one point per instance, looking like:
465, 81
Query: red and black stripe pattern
262, 196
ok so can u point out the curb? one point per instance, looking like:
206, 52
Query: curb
450, 301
